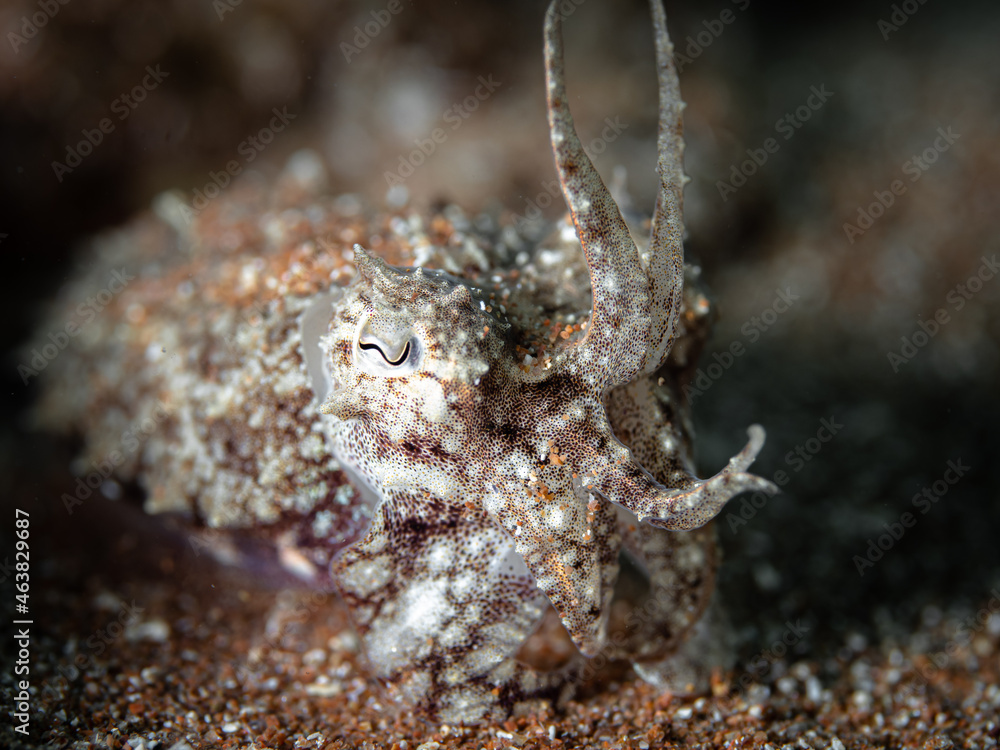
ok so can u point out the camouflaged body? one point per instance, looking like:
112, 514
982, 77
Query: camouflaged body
461, 428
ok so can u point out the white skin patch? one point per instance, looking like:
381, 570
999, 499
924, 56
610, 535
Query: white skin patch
370, 576
555, 517
440, 556
431, 397
463, 586
425, 607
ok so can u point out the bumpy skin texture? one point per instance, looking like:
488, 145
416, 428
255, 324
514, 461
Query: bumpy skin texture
531, 452
508, 435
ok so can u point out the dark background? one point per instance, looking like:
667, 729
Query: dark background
824, 358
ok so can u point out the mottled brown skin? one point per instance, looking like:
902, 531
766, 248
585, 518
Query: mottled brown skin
434, 410
459, 454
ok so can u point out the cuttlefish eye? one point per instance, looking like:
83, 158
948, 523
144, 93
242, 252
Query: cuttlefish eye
385, 348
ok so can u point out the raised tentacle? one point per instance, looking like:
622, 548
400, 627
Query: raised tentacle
665, 268
691, 504
618, 332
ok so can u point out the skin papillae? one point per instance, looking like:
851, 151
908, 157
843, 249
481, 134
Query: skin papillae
433, 445
504, 488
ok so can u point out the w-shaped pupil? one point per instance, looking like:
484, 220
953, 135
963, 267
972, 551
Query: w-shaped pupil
395, 363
